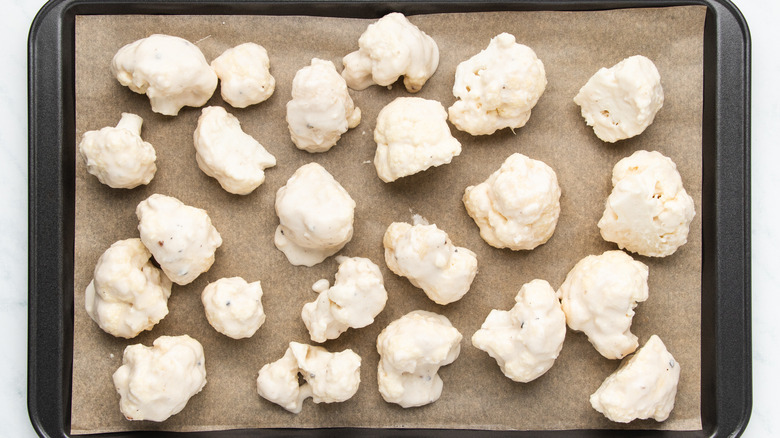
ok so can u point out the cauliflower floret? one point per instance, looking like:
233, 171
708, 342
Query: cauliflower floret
411, 351
156, 382
412, 135
599, 296
354, 300
315, 216
425, 255
621, 102
518, 206
321, 108
172, 71
330, 377
390, 48
497, 88
228, 154
181, 238
117, 156
128, 294
643, 387
234, 307
648, 212
245, 78
526, 340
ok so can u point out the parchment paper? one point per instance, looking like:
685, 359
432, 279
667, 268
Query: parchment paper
572, 45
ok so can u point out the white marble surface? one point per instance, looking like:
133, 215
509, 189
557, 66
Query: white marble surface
762, 17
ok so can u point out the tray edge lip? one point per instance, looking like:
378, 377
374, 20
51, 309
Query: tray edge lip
49, 11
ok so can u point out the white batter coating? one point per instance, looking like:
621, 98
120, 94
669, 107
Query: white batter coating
357, 296
244, 74
330, 377
171, 71
621, 102
648, 212
599, 296
321, 108
118, 157
643, 387
156, 382
526, 340
425, 255
234, 307
390, 48
181, 238
411, 351
228, 154
127, 294
518, 206
315, 216
497, 88
412, 135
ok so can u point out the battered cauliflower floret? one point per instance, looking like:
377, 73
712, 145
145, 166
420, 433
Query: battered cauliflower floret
234, 307
412, 135
181, 238
599, 296
621, 102
330, 377
171, 71
497, 87
390, 48
128, 294
425, 255
244, 74
357, 296
321, 108
411, 351
228, 154
315, 216
518, 206
156, 382
526, 340
643, 387
118, 157
648, 212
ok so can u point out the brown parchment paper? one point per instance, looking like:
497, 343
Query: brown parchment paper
572, 45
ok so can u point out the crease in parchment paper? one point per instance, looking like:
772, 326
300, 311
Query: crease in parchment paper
476, 395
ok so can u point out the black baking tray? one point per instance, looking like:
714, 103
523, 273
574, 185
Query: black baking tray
726, 338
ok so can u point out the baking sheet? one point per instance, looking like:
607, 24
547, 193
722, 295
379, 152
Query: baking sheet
572, 45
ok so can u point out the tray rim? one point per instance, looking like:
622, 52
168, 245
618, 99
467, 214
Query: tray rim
725, 203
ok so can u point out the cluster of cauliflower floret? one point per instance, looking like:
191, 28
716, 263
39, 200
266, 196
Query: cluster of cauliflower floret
517, 207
